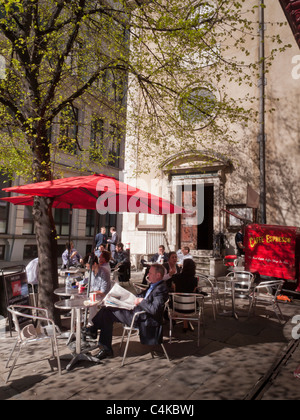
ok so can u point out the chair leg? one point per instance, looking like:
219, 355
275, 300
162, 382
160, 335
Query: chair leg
57, 355
170, 330
13, 365
276, 309
191, 326
251, 307
126, 348
214, 306
203, 318
219, 299
165, 351
11, 353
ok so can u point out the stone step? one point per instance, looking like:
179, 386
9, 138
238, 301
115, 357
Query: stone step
202, 265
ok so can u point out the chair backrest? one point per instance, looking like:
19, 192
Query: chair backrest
185, 303
274, 285
29, 331
206, 283
243, 276
15, 319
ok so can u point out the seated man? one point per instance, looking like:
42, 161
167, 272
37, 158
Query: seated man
152, 301
100, 278
71, 257
184, 254
160, 257
121, 264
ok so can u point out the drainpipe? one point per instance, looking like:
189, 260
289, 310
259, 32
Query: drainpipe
262, 134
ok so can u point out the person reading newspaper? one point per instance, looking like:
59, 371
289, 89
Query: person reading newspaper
152, 301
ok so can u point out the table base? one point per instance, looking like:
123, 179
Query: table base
83, 356
229, 314
232, 314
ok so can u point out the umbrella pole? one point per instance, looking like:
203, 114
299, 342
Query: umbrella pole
70, 229
88, 293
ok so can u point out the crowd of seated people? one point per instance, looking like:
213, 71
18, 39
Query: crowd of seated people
180, 269
165, 273
179, 266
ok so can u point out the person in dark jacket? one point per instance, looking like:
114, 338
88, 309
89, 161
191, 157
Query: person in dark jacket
160, 257
101, 238
186, 281
113, 241
171, 268
152, 301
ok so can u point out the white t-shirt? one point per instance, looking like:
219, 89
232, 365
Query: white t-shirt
32, 271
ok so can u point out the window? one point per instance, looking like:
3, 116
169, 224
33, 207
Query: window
61, 220
97, 136
114, 146
243, 212
4, 206
90, 223
106, 220
30, 252
68, 133
114, 86
198, 106
28, 225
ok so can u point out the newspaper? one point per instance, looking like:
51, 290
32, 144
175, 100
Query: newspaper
118, 297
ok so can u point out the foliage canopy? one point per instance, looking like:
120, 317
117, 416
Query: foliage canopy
59, 53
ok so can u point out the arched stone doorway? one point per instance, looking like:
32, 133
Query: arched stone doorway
197, 179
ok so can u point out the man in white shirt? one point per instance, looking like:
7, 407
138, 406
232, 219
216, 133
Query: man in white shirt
100, 280
184, 254
71, 257
32, 271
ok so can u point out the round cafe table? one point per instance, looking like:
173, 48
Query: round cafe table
76, 305
70, 293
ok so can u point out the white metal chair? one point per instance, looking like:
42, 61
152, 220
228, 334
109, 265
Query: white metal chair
139, 287
243, 285
30, 334
207, 286
129, 330
266, 294
186, 307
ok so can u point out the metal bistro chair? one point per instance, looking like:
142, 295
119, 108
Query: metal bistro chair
210, 290
243, 285
139, 287
186, 307
31, 334
266, 293
129, 330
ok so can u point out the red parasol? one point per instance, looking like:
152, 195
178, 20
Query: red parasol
101, 192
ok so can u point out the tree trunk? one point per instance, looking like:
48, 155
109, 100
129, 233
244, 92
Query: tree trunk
47, 253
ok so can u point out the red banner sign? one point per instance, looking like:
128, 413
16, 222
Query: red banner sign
272, 251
